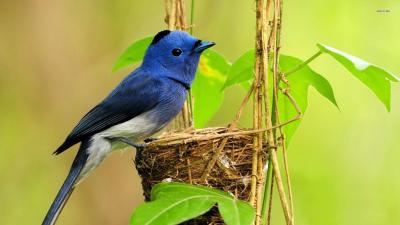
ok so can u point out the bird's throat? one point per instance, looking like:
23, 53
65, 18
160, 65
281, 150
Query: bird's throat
184, 84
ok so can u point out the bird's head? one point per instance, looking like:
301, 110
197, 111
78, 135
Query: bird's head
175, 54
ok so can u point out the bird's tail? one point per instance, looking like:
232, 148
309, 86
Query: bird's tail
68, 186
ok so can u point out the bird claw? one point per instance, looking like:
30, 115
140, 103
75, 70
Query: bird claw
127, 141
150, 139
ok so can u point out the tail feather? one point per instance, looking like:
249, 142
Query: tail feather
68, 186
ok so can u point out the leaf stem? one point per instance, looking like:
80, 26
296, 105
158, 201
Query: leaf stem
300, 66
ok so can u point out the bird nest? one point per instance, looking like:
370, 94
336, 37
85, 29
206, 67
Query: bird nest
184, 156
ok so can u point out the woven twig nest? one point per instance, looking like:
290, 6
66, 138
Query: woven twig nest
183, 157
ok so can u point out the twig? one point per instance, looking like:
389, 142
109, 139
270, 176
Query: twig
264, 93
189, 171
181, 5
257, 105
178, 25
294, 103
167, 12
171, 14
285, 162
281, 189
191, 112
262, 195
283, 144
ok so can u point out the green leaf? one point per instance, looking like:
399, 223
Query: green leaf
173, 203
206, 89
236, 212
176, 190
299, 84
376, 78
171, 211
134, 53
241, 70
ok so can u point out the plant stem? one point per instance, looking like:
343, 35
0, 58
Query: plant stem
271, 191
257, 107
276, 115
300, 66
191, 16
264, 210
190, 100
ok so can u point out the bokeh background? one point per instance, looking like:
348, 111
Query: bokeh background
55, 64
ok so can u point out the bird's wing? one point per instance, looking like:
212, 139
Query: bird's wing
133, 96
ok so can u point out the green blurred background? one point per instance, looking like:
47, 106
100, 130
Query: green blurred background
55, 64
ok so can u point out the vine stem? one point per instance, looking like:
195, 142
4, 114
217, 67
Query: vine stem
300, 66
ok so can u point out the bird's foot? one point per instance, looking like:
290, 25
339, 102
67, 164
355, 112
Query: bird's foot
127, 141
150, 139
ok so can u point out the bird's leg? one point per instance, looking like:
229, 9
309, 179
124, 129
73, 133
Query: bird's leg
127, 141
150, 139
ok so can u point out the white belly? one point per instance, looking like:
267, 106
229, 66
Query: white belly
136, 129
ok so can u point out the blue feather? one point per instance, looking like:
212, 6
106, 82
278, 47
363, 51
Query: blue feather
135, 95
68, 185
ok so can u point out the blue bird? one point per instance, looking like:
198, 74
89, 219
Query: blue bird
141, 105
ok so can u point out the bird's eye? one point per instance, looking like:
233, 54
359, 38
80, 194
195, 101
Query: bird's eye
176, 51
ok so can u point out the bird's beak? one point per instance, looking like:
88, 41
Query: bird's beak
203, 46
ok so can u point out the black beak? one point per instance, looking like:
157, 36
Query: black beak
203, 45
